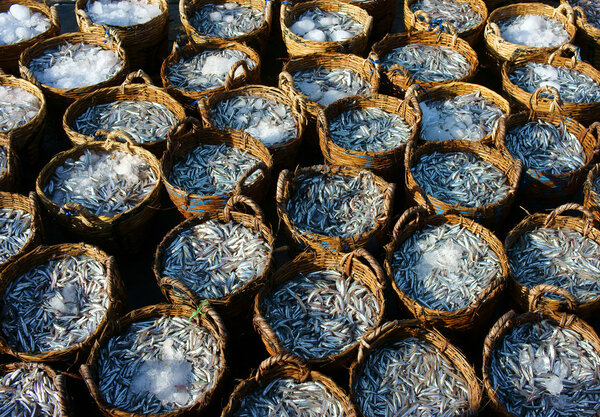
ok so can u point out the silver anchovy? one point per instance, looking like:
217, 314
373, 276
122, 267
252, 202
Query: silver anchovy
17, 107
15, 231
324, 86
226, 20
460, 14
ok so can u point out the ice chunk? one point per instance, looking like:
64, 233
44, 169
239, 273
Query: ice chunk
316, 35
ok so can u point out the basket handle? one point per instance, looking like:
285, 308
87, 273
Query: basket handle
502, 324
54, 17
594, 126
499, 134
403, 71
28, 75
539, 290
231, 73
566, 11
374, 334
174, 284
280, 360
242, 200
259, 166
410, 102
587, 215
83, 16
556, 104
286, 82
71, 208
182, 127
419, 15
346, 264
137, 74
560, 52
281, 181
417, 212
492, 28
114, 37
580, 14
299, 107
113, 136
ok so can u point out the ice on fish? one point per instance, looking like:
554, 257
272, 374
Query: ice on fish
226, 20
122, 12
324, 86
17, 107
533, 30
19, 24
326, 26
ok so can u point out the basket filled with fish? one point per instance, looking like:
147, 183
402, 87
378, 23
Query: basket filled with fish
369, 132
265, 113
334, 208
158, 360
195, 71
221, 256
527, 29
404, 368
542, 363
203, 167
559, 253
72, 65
467, 17
321, 26
587, 18
32, 389
141, 110
285, 385
591, 193
244, 21
568, 86
425, 58
142, 25
23, 23
318, 306
105, 192
383, 12
10, 173
56, 301
447, 270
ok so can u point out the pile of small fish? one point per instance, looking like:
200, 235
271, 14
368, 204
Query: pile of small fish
429, 63
320, 314
336, 205
19, 24
533, 30
460, 178
410, 377
105, 183
159, 365
122, 12
206, 70
324, 86
55, 305
75, 65
445, 267
215, 259
29, 391
545, 147
15, 231
288, 397
17, 107
3, 161
265, 119
326, 26
591, 10
370, 129
460, 14
541, 369
466, 117
226, 20
561, 257
572, 85
212, 169
145, 121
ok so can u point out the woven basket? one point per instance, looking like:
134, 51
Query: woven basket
297, 45
62, 97
585, 113
116, 294
257, 38
206, 318
9, 54
473, 317
300, 240
124, 231
187, 135
587, 38
386, 164
9, 181
191, 98
396, 79
420, 20
284, 155
525, 296
129, 90
491, 215
501, 51
240, 301
591, 199
369, 273
139, 41
383, 12
398, 330
511, 320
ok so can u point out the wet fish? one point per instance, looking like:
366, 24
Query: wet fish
226, 20
324, 86
15, 231
460, 14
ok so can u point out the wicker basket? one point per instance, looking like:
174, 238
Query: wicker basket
297, 45
369, 273
383, 12
240, 301
300, 240
116, 294
9, 54
284, 155
591, 199
140, 41
473, 317
398, 330
9, 180
205, 317
129, 90
124, 231
420, 20
386, 164
525, 296
588, 36
191, 98
187, 135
